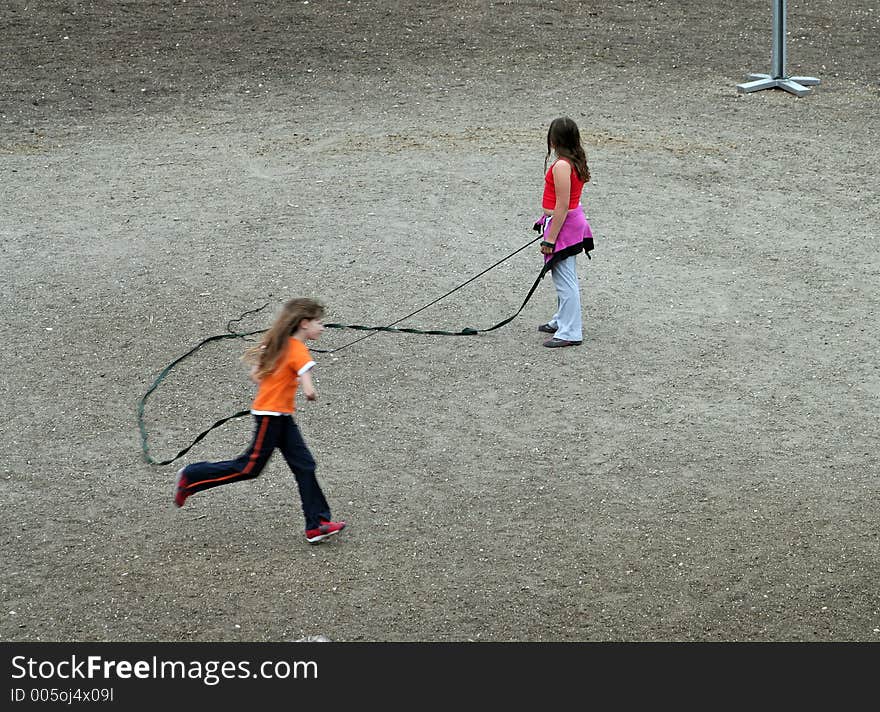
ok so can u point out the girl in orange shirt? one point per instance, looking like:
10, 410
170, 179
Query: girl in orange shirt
281, 362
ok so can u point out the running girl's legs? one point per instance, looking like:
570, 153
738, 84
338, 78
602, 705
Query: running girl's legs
204, 475
300, 460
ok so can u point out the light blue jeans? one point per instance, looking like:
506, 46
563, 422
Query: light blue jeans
567, 319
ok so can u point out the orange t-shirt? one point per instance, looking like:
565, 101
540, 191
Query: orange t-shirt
277, 391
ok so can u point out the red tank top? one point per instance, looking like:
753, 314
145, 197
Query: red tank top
577, 186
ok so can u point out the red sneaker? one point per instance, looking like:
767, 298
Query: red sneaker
180, 493
323, 530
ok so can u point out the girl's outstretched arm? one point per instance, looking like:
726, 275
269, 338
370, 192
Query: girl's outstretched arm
308, 387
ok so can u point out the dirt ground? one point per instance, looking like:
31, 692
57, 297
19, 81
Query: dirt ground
703, 468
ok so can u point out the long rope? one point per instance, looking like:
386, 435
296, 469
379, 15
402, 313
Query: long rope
467, 331
437, 332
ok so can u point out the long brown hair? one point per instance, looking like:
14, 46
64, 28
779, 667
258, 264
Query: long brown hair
265, 355
564, 137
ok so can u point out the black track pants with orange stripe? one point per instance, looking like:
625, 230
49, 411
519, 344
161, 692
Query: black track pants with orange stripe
270, 432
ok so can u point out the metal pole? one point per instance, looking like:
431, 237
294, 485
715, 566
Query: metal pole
778, 58
777, 79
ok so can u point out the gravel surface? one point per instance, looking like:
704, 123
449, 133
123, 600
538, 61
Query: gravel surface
703, 468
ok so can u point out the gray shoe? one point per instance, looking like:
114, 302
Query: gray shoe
547, 329
555, 343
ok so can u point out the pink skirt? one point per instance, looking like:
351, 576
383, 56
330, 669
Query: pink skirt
575, 230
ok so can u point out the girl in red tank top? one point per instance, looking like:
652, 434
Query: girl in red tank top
565, 229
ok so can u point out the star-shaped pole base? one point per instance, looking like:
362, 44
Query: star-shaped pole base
799, 86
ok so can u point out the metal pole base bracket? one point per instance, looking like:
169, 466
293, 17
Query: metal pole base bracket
795, 85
